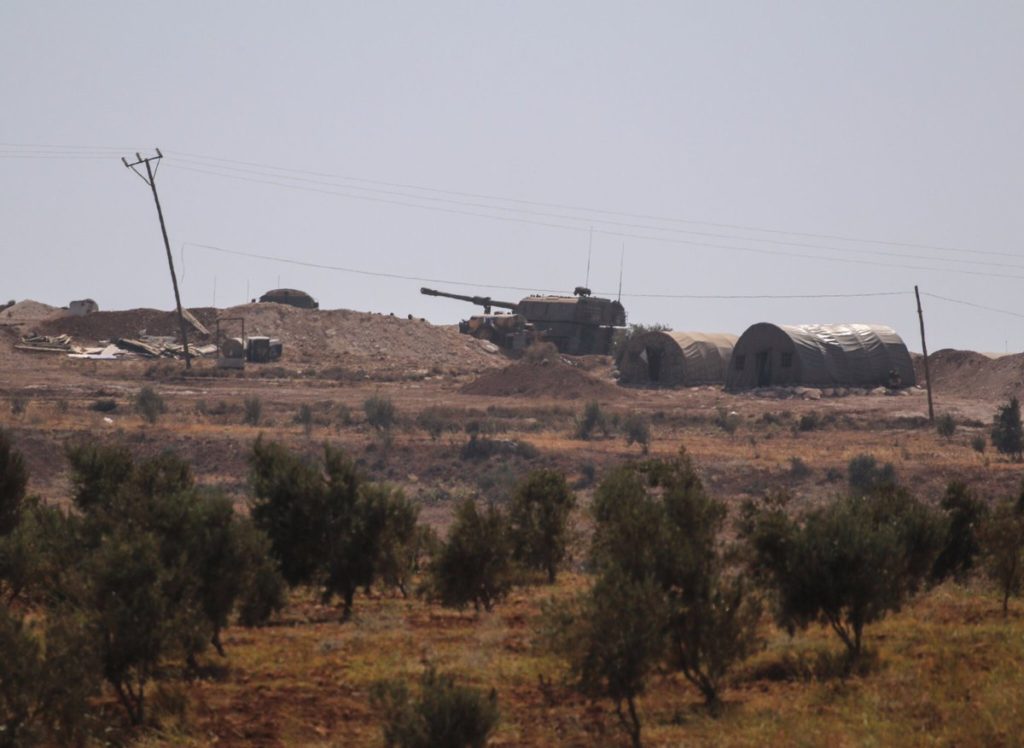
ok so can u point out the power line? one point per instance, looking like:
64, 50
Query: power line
443, 281
605, 232
972, 304
562, 206
564, 217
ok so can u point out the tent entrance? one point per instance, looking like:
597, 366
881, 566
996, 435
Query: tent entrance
764, 368
653, 363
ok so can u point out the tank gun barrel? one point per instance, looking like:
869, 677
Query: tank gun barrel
485, 301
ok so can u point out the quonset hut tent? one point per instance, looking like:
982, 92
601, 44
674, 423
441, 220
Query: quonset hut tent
668, 359
819, 356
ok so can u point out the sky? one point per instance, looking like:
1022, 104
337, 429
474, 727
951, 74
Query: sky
710, 149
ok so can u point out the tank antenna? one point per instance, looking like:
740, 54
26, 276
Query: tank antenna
622, 257
590, 249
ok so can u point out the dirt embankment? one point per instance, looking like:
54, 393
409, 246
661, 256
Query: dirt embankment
552, 379
973, 375
349, 342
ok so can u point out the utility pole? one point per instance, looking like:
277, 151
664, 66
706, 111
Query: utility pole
150, 179
924, 350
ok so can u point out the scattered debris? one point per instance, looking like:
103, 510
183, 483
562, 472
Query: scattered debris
47, 344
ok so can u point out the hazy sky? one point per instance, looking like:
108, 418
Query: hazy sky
398, 137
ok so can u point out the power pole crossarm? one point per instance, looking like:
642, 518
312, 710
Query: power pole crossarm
150, 179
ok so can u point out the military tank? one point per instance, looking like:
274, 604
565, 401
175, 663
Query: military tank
578, 325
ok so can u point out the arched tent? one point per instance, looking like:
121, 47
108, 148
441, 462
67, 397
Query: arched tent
668, 359
818, 356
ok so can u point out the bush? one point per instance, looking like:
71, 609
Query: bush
304, 418
253, 408
19, 403
443, 714
474, 564
380, 412
1002, 541
539, 521
945, 425
614, 640
654, 521
13, 484
403, 543
44, 690
323, 521
965, 514
827, 566
435, 421
798, 469
150, 404
1007, 432
104, 405
978, 444
809, 421
637, 430
865, 475
591, 419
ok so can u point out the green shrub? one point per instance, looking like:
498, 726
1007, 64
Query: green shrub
809, 421
104, 405
434, 421
473, 566
19, 403
539, 521
304, 417
614, 640
798, 469
945, 425
325, 521
865, 475
1002, 541
1007, 432
13, 484
150, 404
591, 419
442, 714
253, 408
978, 444
380, 412
638, 431
846, 564
49, 672
965, 515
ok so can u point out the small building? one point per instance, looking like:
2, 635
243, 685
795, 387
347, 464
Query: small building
852, 355
290, 296
669, 359
82, 307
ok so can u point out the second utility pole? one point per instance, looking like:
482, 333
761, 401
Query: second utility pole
924, 351
150, 179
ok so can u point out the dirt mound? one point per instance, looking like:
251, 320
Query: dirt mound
338, 343
557, 380
974, 375
129, 323
26, 311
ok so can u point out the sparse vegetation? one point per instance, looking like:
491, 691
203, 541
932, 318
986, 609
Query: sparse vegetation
304, 417
442, 714
539, 521
638, 431
253, 408
865, 475
945, 425
474, 564
150, 404
380, 412
1002, 541
1007, 431
591, 420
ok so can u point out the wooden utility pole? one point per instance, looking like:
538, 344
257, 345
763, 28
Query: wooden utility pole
924, 350
150, 179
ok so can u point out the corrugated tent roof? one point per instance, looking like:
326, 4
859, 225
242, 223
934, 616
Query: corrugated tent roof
823, 355
668, 358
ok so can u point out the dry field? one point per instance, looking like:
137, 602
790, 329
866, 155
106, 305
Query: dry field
947, 670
